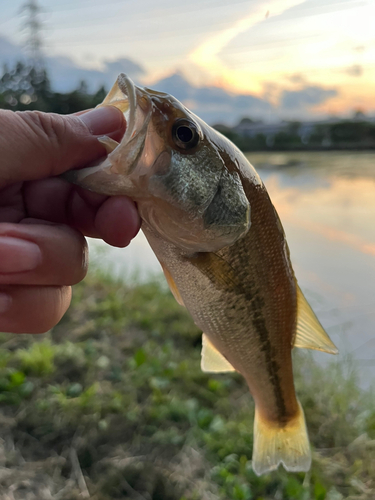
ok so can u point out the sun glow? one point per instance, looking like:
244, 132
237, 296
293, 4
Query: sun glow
207, 54
333, 49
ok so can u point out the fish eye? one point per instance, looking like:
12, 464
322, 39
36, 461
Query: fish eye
185, 134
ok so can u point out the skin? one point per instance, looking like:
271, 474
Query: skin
43, 219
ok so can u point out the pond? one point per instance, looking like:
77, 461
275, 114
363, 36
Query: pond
326, 202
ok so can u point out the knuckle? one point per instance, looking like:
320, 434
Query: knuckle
48, 131
47, 126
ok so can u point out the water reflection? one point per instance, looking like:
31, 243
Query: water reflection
326, 202
327, 205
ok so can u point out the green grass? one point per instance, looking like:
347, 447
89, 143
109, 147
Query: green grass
112, 404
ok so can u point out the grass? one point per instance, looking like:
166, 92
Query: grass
112, 404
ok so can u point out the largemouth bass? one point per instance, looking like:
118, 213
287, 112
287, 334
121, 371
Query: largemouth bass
209, 220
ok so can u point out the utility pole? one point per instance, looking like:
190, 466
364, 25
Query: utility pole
33, 25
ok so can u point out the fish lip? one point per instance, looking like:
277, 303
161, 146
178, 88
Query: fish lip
137, 105
127, 87
138, 101
140, 109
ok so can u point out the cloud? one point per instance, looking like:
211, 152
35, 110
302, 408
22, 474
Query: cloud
176, 85
65, 75
124, 65
305, 98
355, 70
297, 78
9, 52
207, 54
214, 104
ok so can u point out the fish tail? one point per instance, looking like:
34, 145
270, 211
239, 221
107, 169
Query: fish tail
275, 444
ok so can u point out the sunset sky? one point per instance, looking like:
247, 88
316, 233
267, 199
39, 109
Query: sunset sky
270, 49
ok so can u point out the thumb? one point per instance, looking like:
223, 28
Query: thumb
35, 145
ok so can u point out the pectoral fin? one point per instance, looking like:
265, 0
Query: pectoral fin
212, 360
310, 333
172, 285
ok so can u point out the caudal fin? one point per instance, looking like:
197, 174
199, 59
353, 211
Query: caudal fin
274, 445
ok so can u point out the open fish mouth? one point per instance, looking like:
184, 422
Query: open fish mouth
122, 157
137, 108
123, 96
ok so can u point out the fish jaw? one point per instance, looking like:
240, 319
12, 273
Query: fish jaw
113, 175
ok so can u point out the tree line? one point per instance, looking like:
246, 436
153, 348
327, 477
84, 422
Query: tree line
25, 87
356, 134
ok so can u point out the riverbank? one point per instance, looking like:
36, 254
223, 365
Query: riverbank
112, 404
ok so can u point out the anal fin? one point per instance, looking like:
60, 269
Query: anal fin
275, 444
212, 360
310, 333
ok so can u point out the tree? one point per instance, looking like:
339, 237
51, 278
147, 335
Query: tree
26, 88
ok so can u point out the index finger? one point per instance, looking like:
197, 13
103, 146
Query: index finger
115, 219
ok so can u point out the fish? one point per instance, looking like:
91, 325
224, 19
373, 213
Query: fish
210, 222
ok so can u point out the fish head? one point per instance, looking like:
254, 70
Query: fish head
184, 176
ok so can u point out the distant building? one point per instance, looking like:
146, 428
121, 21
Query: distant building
249, 128
252, 129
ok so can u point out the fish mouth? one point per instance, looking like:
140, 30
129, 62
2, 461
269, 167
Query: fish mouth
112, 176
136, 106
123, 96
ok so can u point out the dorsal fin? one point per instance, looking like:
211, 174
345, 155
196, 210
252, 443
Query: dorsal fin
172, 285
310, 333
212, 360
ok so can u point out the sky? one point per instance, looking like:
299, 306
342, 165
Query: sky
315, 58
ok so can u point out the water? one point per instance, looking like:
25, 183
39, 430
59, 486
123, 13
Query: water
326, 201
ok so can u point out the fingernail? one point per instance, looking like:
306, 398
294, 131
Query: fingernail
17, 256
5, 302
104, 120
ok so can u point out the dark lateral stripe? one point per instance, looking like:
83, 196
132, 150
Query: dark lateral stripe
224, 277
271, 363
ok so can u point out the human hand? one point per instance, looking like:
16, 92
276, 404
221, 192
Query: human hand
43, 218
